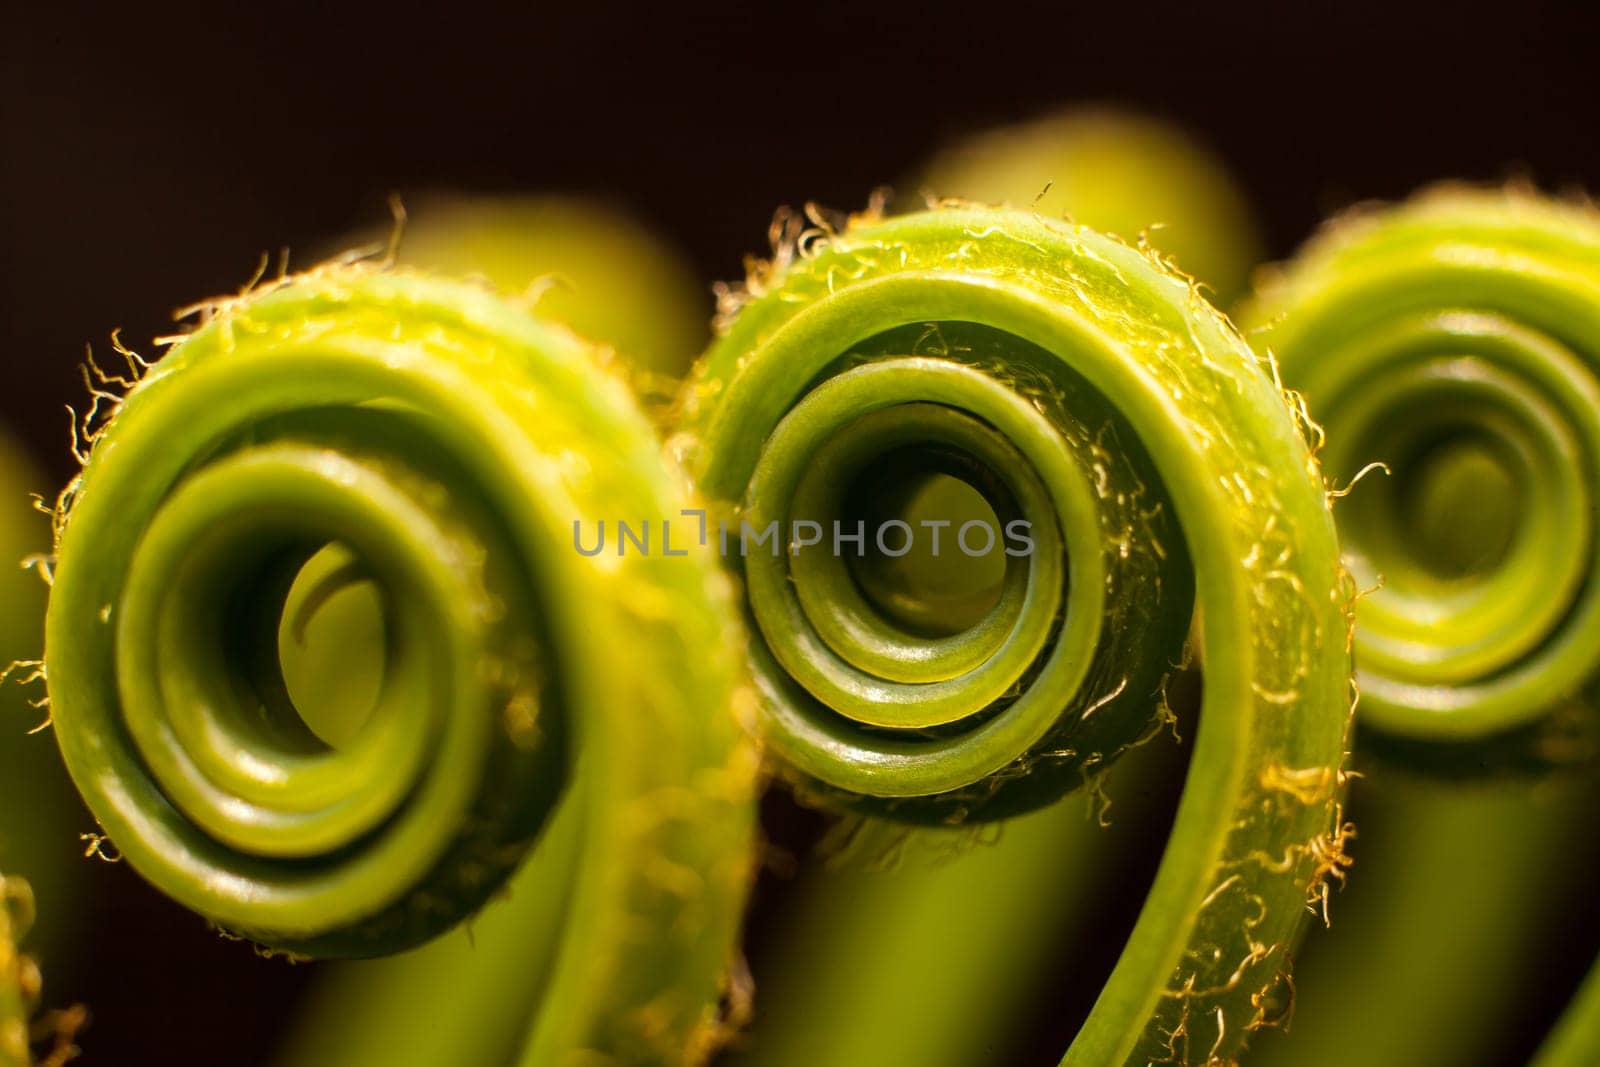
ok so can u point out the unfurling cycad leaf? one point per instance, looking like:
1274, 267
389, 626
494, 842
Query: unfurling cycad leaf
445, 443
1456, 339
1079, 387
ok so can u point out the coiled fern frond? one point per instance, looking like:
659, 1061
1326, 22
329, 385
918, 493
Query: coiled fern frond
1456, 340
1081, 388
434, 444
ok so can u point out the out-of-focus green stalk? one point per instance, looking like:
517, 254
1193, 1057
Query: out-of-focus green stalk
1576, 1038
936, 960
925, 963
592, 266
38, 809
1119, 172
1434, 929
466, 997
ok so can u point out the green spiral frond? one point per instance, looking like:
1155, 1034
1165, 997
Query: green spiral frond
431, 445
1079, 386
1456, 339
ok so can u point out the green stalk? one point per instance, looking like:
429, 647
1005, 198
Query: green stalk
586, 263
1576, 1038
443, 442
1076, 384
903, 963
38, 811
1118, 172
938, 959
1455, 339
1430, 942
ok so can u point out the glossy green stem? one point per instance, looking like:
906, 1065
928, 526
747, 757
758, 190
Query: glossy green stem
938, 959
913, 975
1168, 457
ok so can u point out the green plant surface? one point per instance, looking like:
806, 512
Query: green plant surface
1438, 931
39, 813
1004, 910
1576, 1038
1455, 339
1076, 383
489, 972
1002, 906
588, 263
895, 994
1116, 171
431, 444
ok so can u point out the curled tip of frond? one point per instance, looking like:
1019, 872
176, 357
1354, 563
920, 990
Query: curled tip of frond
108, 390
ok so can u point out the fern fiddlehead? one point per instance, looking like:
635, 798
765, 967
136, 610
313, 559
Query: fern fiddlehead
441, 443
1080, 388
1455, 339
1011, 902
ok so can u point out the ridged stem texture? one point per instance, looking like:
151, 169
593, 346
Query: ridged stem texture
437, 444
1081, 386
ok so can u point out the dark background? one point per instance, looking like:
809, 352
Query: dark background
147, 160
